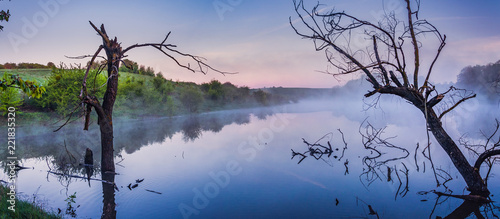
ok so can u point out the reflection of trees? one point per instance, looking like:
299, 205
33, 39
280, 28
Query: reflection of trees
332, 32
387, 162
484, 148
213, 124
68, 169
108, 194
130, 135
263, 114
191, 129
64, 151
382, 156
467, 208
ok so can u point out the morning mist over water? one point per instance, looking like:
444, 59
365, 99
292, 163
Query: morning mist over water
238, 162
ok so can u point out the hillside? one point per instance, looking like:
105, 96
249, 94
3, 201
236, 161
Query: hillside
142, 95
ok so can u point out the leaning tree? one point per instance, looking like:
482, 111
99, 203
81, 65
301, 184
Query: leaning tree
392, 44
114, 55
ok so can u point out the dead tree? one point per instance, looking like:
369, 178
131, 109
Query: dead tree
113, 58
385, 64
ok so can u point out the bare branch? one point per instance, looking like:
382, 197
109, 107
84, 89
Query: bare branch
101, 32
169, 47
435, 100
83, 57
384, 72
485, 156
441, 46
83, 91
330, 21
415, 44
456, 104
395, 79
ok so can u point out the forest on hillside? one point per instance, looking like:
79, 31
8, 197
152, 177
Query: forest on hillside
141, 92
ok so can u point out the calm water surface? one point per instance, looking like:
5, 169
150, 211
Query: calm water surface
237, 164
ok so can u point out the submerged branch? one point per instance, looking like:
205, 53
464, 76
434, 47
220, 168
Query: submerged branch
473, 198
80, 177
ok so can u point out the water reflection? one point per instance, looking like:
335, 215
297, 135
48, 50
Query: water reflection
130, 134
108, 194
191, 129
386, 161
269, 185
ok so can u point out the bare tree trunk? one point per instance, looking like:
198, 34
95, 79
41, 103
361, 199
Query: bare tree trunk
106, 124
114, 54
471, 176
332, 31
107, 157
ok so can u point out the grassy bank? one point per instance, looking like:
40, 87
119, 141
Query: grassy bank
138, 95
23, 209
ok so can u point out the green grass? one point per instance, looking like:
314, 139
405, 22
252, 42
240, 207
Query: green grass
39, 75
23, 209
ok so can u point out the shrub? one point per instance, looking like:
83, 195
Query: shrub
191, 98
9, 97
64, 86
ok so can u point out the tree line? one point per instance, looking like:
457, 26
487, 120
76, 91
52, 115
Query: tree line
128, 66
483, 79
26, 65
138, 95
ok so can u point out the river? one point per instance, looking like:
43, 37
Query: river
238, 164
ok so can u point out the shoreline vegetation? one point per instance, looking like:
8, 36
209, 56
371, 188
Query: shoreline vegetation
23, 209
141, 94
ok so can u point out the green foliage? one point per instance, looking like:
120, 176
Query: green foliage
191, 98
162, 85
64, 86
24, 65
4, 16
24, 209
132, 67
146, 96
261, 97
213, 89
234, 94
31, 88
142, 95
97, 64
70, 209
9, 97
8, 65
50, 65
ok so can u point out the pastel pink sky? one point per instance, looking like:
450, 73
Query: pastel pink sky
252, 38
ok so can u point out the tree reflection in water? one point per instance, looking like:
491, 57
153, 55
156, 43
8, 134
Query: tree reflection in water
383, 169
65, 152
108, 194
386, 162
191, 129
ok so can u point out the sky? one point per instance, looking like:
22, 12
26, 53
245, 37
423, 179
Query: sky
250, 37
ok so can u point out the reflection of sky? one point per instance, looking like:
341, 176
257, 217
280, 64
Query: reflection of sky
270, 184
250, 37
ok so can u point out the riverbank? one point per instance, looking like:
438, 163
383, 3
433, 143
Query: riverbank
21, 209
139, 96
